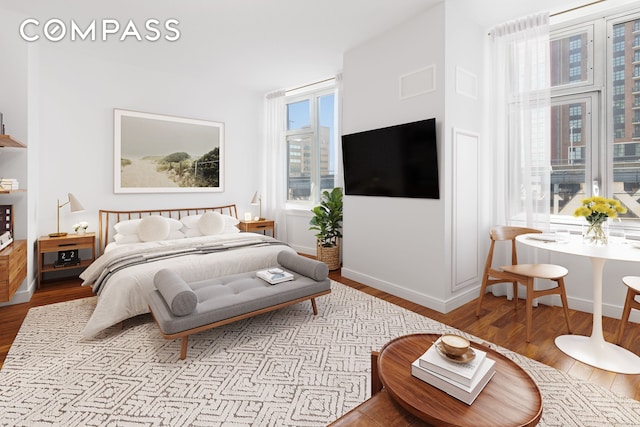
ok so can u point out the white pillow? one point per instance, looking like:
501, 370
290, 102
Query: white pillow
127, 227
130, 226
192, 221
229, 220
192, 232
175, 234
126, 238
211, 223
153, 228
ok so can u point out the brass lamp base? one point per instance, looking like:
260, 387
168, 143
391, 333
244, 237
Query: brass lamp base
61, 234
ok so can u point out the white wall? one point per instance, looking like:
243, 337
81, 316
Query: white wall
71, 98
397, 244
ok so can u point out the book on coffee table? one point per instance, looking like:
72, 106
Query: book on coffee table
274, 275
463, 373
466, 394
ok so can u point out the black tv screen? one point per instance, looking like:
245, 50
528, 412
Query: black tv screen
395, 161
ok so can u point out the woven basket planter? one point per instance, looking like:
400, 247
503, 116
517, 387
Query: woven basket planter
330, 256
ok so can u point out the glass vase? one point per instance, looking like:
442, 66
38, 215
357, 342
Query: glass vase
596, 233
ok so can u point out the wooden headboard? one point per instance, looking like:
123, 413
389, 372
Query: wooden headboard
110, 218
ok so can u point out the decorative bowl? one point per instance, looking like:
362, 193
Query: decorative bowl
454, 345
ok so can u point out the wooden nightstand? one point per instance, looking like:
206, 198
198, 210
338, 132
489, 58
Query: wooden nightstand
70, 242
13, 268
260, 225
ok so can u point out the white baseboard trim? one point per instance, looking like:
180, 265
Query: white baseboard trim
304, 250
442, 306
21, 296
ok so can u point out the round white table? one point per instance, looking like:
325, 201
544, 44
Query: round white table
593, 350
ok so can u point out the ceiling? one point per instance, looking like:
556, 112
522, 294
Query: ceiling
269, 44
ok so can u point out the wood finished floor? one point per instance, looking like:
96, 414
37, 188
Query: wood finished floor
498, 323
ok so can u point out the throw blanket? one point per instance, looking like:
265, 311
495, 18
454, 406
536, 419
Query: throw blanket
131, 260
123, 276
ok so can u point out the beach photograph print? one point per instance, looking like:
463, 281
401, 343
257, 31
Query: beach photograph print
154, 153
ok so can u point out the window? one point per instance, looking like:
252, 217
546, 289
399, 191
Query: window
596, 125
311, 146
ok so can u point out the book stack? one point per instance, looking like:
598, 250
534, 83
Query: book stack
274, 275
9, 184
464, 381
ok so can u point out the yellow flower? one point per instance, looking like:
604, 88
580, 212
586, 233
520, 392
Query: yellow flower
598, 209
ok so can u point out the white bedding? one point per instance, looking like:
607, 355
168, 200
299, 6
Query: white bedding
124, 294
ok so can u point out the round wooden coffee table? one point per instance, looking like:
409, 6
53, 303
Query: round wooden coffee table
511, 398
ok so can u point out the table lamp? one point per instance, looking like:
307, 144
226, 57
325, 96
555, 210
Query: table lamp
74, 206
257, 200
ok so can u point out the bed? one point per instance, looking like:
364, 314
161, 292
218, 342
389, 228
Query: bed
122, 276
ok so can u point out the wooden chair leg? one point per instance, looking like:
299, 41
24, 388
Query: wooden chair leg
529, 308
183, 347
565, 304
483, 290
625, 314
515, 294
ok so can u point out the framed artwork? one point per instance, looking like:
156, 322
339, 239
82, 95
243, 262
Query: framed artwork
154, 153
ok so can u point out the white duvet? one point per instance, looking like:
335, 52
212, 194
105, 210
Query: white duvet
124, 293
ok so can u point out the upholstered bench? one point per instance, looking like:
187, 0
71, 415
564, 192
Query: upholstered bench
181, 309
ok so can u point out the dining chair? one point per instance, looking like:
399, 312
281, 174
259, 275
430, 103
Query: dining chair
633, 290
522, 273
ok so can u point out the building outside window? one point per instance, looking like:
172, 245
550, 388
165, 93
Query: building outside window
595, 132
311, 146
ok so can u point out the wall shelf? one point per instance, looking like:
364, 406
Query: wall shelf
8, 141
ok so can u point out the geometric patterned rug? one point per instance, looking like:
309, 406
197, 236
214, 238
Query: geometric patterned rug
284, 368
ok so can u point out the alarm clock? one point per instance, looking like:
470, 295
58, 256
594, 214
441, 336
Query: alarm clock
66, 258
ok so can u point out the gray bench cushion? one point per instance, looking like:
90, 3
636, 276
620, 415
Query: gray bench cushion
230, 296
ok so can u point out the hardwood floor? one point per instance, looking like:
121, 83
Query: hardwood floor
498, 323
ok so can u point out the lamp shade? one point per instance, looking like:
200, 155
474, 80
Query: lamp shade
74, 204
255, 199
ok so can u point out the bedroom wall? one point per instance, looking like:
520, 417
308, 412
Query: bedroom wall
71, 97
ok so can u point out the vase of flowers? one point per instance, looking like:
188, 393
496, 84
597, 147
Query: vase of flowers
597, 211
81, 227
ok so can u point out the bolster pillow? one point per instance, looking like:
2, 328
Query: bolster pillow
176, 292
316, 270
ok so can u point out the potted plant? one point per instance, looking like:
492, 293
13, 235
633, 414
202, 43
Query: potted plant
327, 221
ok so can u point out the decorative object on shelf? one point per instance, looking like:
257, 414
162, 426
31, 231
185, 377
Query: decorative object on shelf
81, 227
597, 211
1, 125
257, 200
74, 206
327, 221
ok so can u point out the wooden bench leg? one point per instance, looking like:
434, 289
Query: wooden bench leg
183, 347
315, 307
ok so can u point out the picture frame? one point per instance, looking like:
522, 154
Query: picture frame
156, 153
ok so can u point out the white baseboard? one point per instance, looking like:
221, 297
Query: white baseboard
442, 306
21, 296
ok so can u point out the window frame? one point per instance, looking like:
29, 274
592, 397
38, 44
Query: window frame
313, 95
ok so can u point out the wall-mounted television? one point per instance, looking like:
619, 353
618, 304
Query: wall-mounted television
395, 161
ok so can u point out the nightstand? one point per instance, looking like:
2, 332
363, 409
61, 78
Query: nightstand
260, 225
68, 246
